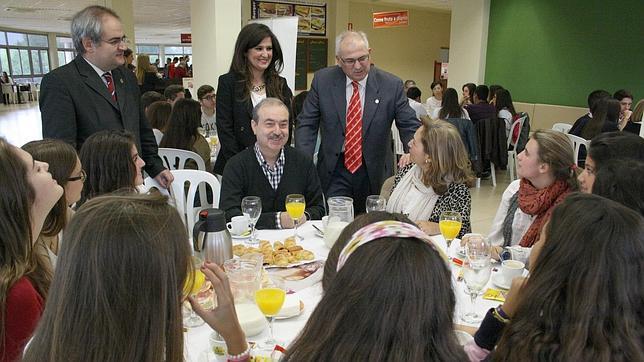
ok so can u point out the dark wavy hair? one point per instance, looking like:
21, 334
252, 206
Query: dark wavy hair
608, 146
18, 257
621, 181
401, 310
249, 37
107, 159
158, 113
504, 100
183, 126
450, 108
120, 275
606, 110
584, 300
61, 158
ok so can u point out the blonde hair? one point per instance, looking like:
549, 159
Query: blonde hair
142, 66
448, 159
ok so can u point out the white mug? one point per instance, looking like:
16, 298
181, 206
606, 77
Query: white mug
511, 269
238, 224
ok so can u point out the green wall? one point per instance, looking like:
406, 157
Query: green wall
556, 52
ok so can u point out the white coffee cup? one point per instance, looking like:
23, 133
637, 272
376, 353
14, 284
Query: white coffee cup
511, 269
238, 224
519, 253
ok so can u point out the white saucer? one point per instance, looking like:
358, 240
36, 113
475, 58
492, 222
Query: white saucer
239, 237
497, 279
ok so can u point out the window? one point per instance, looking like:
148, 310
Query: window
24, 55
66, 51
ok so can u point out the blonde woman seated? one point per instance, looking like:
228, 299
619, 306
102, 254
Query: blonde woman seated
546, 177
436, 180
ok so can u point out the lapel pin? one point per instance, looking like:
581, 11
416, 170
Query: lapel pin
121, 80
377, 101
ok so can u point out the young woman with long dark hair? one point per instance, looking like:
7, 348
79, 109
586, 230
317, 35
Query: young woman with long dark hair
27, 194
182, 131
253, 76
450, 108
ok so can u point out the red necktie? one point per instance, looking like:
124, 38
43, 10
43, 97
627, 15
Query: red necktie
353, 138
110, 85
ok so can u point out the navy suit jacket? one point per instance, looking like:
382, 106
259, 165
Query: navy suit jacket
325, 110
75, 103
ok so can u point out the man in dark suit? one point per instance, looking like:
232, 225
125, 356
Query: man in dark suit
96, 92
353, 105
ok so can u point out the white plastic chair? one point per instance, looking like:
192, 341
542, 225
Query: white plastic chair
149, 183
184, 201
512, 148
175, 159
577, 142
562, 127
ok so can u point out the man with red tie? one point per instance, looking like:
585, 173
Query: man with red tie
95, 92
353, 105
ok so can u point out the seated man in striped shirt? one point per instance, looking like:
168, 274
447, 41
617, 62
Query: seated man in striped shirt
271, 170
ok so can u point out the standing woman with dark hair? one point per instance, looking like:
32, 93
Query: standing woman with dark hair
65, 167
183, 132
450, 108
111, 163
505, 108
436, 99
253, 76
468, 93
27, 195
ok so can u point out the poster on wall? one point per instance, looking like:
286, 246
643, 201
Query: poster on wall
390, 19
311, 15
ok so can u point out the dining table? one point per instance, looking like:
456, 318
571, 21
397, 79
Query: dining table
197, 339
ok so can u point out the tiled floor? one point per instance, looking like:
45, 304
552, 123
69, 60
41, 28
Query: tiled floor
21, 123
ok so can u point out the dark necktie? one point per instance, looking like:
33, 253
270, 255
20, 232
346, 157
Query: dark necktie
110, 85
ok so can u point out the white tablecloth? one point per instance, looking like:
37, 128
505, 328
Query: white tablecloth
197, 343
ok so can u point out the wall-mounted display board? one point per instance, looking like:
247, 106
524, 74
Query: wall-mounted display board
312, 15
311, 55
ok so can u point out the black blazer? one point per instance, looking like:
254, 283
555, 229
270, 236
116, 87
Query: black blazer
234, 114
75, 103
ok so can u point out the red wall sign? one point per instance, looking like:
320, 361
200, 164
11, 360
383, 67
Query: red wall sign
186, 38
390, 19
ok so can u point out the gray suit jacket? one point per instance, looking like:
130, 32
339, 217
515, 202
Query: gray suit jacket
75, 103
325, 110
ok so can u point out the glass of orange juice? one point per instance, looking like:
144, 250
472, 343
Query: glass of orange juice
295, 205
270, 301
450, 223
195, 286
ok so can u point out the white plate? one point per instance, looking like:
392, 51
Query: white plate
499, 281
294, 305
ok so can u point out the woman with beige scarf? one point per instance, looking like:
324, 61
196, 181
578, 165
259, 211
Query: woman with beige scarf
436, 180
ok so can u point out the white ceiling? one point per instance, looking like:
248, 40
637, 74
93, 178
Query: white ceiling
154, 21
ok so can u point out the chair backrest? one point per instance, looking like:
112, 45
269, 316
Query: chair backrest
175, 159
185, 196
562, 127
7, 89
518, 124
149, 183
387, 187
577, 142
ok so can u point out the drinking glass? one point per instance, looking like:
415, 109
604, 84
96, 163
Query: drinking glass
477, 270
197, 287
295, 206
252, 207
270, 301
376, 203
450, 223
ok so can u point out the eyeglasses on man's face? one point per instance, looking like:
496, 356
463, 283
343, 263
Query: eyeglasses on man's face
351, 61
210, 97
118, 41
81, 177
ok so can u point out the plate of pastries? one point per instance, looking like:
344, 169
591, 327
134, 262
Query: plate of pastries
278, 254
